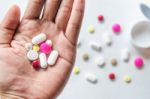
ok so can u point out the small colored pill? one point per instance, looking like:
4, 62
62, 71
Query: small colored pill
36, 64
139, 62
91, 29
76, 70
116, 28
32, 55
114, 62
125, 55
91, 78
100, 61
45, 48
28, 46
127, 79
39, 39
53, 57
101, 18
112, 76
85, 56
36, 48
95, 46
43, 60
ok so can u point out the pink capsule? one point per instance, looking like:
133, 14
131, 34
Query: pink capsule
139, 62
45, 48
116, 28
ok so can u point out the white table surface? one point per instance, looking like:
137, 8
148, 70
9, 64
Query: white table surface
125, 12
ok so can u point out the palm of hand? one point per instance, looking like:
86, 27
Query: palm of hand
19, 78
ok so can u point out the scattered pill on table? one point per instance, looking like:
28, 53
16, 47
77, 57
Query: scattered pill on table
91, 29
139, 62
107, 39
85, 56
45, 48
100, 61
76, 70
28, 46
112, 76
91, 77
36, 48
53, 57
127, 79
32, 55
39, 38
116, 28
125, 54
100, 18
36, 64
114, 61
95, 46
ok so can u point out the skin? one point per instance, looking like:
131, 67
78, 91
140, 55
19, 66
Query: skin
61, 21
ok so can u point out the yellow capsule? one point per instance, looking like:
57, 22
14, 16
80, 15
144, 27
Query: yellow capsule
36, 48
76, 70
127, 79
91, 29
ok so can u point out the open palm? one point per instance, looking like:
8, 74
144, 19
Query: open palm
61, 21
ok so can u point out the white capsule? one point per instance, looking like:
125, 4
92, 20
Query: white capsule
107, 39
32, 55
28, 46
53, 57
43, 60
100, 61
95, 46
125, 55
49, 42
39, 38
91, 78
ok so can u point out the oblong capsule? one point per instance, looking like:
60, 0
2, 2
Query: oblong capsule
53, 57
95, 46
43, 60
39, 38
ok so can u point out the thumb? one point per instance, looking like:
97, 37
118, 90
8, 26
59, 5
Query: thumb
9, 25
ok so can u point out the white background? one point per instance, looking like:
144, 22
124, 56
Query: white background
125, 12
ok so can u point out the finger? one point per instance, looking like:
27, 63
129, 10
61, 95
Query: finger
63, 14
33, 10
51, 9
9, 25
75, 21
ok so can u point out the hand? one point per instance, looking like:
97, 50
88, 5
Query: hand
61, 21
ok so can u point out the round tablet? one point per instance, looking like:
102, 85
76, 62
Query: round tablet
127, 79
101, 18
36, 64
111, 76
116, 28
32, 55
100, 61
114, 62
139, 62
45, 48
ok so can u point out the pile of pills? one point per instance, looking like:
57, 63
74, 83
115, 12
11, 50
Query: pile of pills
100, 61
40, 52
